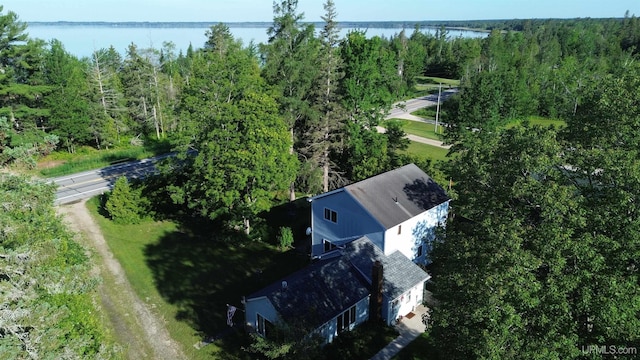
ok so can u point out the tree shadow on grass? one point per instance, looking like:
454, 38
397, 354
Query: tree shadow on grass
201, 269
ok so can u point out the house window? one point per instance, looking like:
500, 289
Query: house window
330, 215
328, 245
265, 327
419, 251
399, 229
346, 319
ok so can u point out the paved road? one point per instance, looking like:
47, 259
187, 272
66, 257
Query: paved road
90, 183
403, 108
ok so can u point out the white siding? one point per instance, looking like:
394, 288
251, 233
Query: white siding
405, 303
414, 233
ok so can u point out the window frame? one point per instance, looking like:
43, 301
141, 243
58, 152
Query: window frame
330, 215
346, 319
331, 246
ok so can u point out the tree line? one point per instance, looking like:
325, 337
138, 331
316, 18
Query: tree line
540, 256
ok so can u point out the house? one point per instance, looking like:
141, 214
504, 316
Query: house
338, 293
368, 240
396, 210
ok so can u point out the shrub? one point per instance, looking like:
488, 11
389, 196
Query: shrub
124, 203
285, 238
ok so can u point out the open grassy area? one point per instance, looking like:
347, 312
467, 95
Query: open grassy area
432, 80
427, 151
86, 158
427, 113
188, 275
421, 129
429, 85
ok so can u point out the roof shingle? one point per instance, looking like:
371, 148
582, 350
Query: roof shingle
398, 195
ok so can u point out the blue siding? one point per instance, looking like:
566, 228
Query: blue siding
353, 221
261, 306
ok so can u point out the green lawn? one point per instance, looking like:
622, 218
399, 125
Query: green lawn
188, 276
421, 129
429, 85
427, 151
86, 158
437, 80
427, 113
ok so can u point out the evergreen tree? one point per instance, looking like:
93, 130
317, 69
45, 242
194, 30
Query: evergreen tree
124, 203
289, 65
69, 100
322, 128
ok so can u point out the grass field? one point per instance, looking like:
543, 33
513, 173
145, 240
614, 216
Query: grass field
427, 151
86, 158
187, 274
430, 84
418, 349
421, 129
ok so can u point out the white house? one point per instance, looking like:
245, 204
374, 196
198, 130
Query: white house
396, 210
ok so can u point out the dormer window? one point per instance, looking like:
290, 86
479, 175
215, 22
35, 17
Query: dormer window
330, 215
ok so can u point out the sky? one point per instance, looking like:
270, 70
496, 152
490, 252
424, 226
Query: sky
348, 10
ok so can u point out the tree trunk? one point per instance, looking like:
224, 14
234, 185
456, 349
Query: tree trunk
247, 225
156, 123
292, 189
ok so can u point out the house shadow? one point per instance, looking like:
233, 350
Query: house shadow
200, 268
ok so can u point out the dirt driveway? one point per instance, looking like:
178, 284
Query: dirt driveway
140, 331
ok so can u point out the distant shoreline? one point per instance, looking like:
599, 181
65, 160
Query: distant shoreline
255, 24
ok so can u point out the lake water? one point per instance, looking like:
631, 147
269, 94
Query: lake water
82, 40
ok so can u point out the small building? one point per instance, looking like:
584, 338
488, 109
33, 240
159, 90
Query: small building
396, 210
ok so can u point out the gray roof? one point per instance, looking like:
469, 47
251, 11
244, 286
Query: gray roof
398, 195
317, 293
399, 273
323, 290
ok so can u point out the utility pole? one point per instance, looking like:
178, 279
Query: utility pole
438, 107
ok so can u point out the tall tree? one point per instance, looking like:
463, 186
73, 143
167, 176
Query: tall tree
289, 65
322, 128
69, 100
242, 143
542, 222
371, 77
506, 277
21, 88
106, 87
